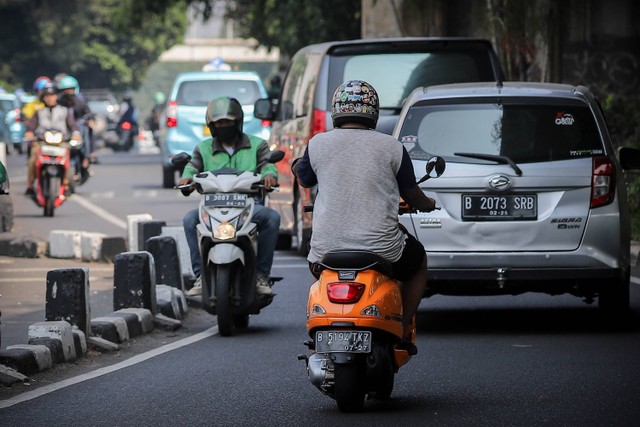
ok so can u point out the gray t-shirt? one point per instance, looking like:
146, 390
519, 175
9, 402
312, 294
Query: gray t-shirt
357, 203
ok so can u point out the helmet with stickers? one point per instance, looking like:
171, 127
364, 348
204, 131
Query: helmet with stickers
355, 101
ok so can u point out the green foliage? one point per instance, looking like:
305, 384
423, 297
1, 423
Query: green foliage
87, 39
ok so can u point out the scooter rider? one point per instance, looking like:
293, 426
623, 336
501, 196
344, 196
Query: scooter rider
71, 98
230, 147
361, 175
52, 116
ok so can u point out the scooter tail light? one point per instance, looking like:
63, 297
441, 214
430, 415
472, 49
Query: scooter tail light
172, 114
345, 292
126, 125
603, 182
318, 122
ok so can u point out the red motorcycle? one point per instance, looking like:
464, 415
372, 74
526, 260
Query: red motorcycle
52, 162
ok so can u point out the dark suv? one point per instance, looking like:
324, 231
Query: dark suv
393, 66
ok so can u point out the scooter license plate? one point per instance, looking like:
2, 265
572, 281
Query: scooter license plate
343, 341
225, 200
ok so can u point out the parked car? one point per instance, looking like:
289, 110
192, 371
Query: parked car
6, 204
393, 66
187, 105
11, 124
533, 197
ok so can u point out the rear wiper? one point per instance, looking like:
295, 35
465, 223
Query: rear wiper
492, 157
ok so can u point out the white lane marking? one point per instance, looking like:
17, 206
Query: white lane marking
99, 211
24, 397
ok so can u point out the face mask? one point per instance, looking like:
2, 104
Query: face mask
226, 134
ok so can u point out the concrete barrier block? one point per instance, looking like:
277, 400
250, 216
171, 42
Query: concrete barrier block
110, 328
147, 230
133, 322
182, 301
21, 246
168, 302
54, 346
41, 353
91, 246
22, 360
183, 248
167, 260
144, 316
58, 330
132, 229
67, 297
112, 246
64, 244
134, 281
166, 323
102, 345
80, 342
10, 376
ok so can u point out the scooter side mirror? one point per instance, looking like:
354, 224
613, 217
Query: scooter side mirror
180, 160
263, 109
435, 166
276, 156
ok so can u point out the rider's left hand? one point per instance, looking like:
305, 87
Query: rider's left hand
270, 182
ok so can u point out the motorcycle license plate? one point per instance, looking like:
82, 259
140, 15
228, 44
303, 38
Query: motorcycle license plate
225, 200
343, 341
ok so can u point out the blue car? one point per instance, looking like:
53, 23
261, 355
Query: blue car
187, 104
11, 125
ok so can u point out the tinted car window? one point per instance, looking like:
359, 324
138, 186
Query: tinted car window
199, 93
296, 94
396, 74
523, 132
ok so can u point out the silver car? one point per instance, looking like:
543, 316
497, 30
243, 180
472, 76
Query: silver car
533, 197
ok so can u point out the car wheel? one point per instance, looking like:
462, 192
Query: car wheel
168, 177
614, 297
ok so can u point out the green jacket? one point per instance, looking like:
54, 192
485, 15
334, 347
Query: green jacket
251, 154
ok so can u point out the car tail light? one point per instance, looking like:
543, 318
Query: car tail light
318, 122
266, 123
172, 114
603, 182
345, 292
17, 119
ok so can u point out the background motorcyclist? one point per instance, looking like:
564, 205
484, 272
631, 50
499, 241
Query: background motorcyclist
153, 121
51, 116
71, 98
230, 147
30, 108
361, 175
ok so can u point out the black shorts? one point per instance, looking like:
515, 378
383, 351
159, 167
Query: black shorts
411, 260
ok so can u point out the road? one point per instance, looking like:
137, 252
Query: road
517, 360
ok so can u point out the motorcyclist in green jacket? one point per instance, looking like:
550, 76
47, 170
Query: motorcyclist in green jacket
229, 147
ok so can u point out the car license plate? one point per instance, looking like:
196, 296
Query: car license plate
225, 200
502, 207
343, 341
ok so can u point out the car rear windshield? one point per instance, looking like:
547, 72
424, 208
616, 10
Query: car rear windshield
523, 132
395, 74
199, 93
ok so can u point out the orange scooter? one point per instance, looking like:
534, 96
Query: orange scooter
354, 319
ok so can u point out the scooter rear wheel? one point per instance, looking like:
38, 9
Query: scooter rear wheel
348, 393
52, 195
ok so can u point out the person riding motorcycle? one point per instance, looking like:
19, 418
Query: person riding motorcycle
52, 116
30, 108
361, 175
230, 147
71, 98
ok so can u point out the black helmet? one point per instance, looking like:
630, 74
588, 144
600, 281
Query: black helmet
224, 108
355, 101
47, 89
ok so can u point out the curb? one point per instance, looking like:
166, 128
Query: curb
52, 343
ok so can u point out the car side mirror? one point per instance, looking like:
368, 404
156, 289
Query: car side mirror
262, 109
180, 160
629, 158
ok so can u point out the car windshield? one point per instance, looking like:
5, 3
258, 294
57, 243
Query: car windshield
522, 132
395, 75
199, 93
7, 105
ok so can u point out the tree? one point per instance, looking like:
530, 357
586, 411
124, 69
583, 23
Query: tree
92, 40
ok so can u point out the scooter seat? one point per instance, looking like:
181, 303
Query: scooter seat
355, 261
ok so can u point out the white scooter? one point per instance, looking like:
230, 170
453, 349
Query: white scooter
228, 242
